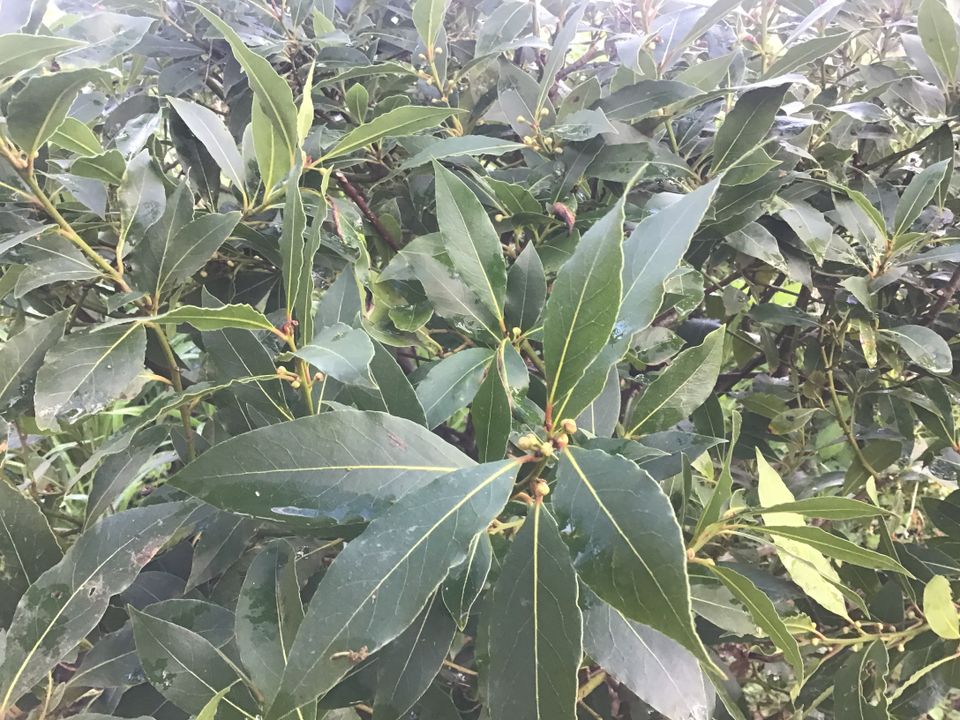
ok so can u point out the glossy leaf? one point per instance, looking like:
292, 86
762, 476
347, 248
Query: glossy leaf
746, 126
410, 663
681, 388
661, 672
396, 122
465, 581
625, 536
535, 626
582, 307
85, 371
452, 383
269, 613
27, 548
365, 599
490, 414
21, 52
366, 463
471, 244
924, 346
67, 601
22, 355
341, 352
40, 107
210, 130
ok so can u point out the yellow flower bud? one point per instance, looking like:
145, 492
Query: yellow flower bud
569, 426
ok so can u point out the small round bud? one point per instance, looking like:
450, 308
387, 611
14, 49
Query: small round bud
527, 140
499, 217
516, 332
438, 51
544, 112
203, 273
528, 442
231, 263
522, 119
546, 449
541, 489
569, 426
815, 641
901, 647
421, 56
295, 384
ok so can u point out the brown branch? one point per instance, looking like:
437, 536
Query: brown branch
946, 295
355, 195
579, 63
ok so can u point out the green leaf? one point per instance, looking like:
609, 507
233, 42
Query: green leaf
833, 546
558, 51
76, 137
654, 251
713, 510
273, 94
50, 258
141, 196
860, 684
582, 308
209, 711
451, 384
465, 581
681, 388
471, 243
85, 371
764, 614
938, 33
392, 392
35, 113
924, 346
174, 256
660, 671
209, 129
644, 98
282, 474
187, 669
269, 613
273, 160
410, 663
394, 123
366, 599
119, 470
463, 146
490, 414
918, 195
66, 603
28, 548
805, 565
806, 52
747, 125
939, 610
22, 355
108, 167
880, 454
225, 316
535, 627
22, 52
428, 19
297, 249
342, 352
829, 508
223, 539
526, 290
625, 536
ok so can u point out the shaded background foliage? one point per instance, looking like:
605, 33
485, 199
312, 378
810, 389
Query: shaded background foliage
479, 360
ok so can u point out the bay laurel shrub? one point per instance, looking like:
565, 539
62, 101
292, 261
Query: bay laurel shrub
503, 360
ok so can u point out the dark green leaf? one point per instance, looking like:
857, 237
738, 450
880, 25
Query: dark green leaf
65, 603
366, 599
490, 413
22, 355
625, 536
410, 663
84, 371
27, 548
282, 474
37, 111
452, 383
465, 581
746, 125
535, 627
662, 673
582, 308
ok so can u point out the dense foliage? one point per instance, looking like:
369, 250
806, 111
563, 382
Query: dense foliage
496, 360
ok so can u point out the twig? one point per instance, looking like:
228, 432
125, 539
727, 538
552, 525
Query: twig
946, 295
357, 197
